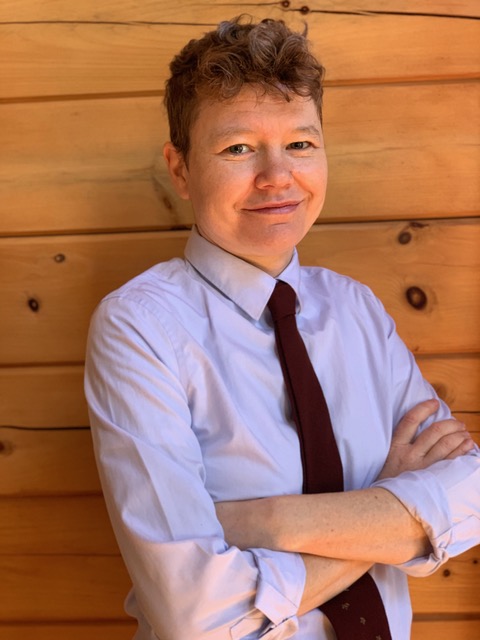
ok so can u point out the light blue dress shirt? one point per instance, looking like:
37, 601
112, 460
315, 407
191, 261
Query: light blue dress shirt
188, 407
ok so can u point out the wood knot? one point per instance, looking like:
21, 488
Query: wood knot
167, 202
417, 298
34, 304
404, 237
60, 257
446, 573
6, 448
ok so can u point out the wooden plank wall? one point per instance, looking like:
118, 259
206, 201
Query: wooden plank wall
85, 204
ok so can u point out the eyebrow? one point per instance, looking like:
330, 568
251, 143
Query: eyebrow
312, 130
232, 132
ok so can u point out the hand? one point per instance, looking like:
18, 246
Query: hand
443, 440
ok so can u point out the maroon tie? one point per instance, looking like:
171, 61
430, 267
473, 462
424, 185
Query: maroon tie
358, 612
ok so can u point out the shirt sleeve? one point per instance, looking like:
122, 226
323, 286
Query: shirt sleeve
445, 497
188, 582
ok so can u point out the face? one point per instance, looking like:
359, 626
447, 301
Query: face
256, 175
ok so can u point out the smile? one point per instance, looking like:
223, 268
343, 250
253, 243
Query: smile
274, 208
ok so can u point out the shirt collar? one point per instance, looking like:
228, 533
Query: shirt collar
246, 285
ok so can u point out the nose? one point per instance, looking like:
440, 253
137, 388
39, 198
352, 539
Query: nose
274, 171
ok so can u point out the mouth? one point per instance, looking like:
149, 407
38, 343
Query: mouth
274, 208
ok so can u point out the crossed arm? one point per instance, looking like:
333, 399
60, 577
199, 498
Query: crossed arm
340, 535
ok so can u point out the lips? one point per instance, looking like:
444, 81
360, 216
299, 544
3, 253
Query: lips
284, 207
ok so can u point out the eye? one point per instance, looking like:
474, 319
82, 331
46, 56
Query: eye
299, 146
237, 149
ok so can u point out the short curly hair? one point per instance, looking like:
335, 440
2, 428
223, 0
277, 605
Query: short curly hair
267, 54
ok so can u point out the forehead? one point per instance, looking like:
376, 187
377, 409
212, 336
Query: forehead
254, 110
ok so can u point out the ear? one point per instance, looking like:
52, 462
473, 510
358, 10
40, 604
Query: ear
177, 170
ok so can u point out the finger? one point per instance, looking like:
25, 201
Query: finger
446, 447
435, 432
464, 448
408, 425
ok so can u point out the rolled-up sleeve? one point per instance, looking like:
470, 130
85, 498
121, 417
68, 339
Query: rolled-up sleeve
445, 499
188, 582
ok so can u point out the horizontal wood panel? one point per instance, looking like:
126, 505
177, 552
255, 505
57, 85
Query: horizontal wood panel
41, 462
455, 379
56, 399
424, 630
52, 58
168, 10
61, 462
445, 630
62, 588
73, 631
95, 587
73, 525
101, 166
50, 300
43, 397
472, 420
95, 170
454, 588
402, 151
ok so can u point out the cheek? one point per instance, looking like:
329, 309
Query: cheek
227, 186
211, 196
319, 180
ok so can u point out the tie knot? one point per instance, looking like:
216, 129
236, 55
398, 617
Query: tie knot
282, 301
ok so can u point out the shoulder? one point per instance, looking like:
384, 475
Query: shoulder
152, 289
322, 282
344, 299
146, 304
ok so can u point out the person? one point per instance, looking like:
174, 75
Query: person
195, 444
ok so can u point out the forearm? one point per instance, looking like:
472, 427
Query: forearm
370, 525
326, 578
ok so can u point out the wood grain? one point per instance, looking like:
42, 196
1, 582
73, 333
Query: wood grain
39, 463
52, 58
168, 11
73, 631
455, 379
38, 396
452, 589
446, 629
59, 587
69, 525
422, 630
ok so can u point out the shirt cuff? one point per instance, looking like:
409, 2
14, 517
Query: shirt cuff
280, 589
445, 499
